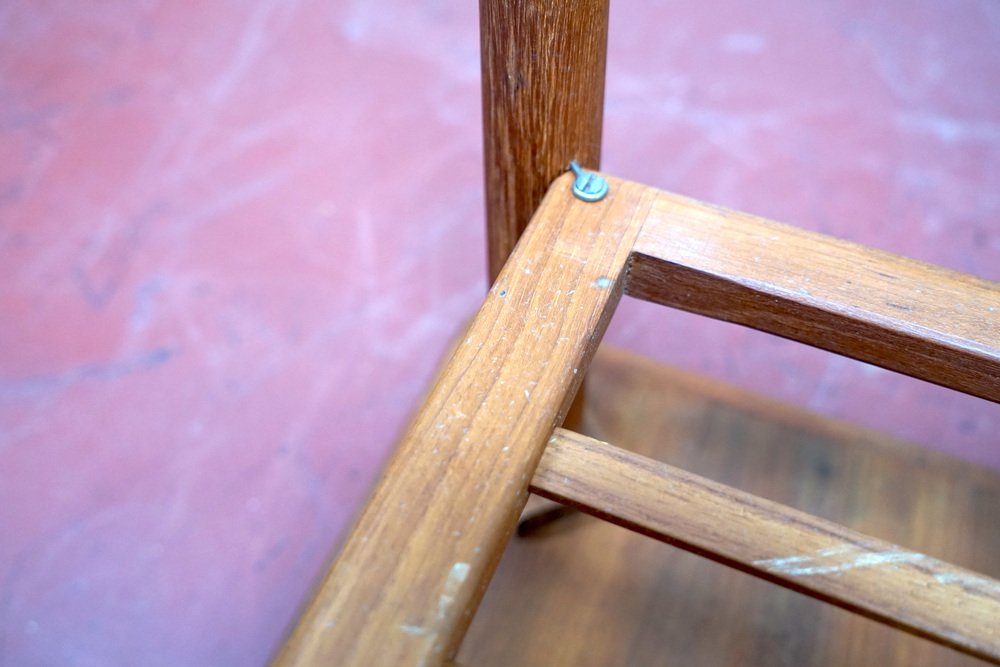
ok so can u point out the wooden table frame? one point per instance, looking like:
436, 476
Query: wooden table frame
408, 579
405, 585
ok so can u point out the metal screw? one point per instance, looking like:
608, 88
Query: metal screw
588, 186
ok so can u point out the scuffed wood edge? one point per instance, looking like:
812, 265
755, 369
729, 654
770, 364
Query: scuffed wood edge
405, 585
905, 589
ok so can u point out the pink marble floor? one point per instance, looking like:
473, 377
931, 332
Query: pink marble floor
236, 237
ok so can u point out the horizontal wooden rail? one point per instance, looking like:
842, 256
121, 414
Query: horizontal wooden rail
902, 588
904, 315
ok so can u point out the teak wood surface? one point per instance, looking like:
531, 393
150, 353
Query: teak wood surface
543, 69
898, 313
414, 568
543, 66
405, 585
587, 592
897, 586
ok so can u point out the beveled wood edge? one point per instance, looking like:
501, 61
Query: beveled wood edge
908, 316
409, 577
901, 588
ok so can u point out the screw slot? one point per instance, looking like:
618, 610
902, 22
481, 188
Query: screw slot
588, 186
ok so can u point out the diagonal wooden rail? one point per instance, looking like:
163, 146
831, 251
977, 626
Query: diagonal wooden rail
405, 584
906, 589
403, 588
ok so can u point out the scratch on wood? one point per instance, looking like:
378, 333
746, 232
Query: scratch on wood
898, 306
456, 577
836, 560
970, 583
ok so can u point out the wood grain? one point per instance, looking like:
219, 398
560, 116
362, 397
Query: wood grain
543, 65
406, 583
904, 315
902, 588
404, 587
586, 592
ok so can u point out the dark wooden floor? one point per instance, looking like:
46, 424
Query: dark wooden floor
587, 593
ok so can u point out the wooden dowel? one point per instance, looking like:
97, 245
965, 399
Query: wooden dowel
543, 68
905, 589
898, 313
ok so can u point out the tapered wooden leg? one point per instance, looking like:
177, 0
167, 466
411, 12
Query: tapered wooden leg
543, 64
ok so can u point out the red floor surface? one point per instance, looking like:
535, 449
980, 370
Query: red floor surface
236, 237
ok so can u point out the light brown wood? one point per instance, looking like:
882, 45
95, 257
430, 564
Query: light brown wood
543, 65
586, 592
904, 315
900, 587
404, 587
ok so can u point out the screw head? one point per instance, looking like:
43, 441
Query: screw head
588, 186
